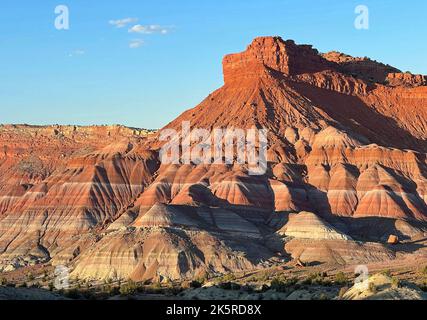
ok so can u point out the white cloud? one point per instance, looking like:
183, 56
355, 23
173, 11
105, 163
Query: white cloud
136, 43
149, 29
78, 52
121, 23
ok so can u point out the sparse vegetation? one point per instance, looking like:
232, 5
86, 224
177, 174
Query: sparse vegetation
318, 279
129, 288
229, 286
422, 286
323, 296
30, 277
340, 278
395, 282
195, 284
110, 290
386, 272
23, 285
282, 284
228, 277
3, 281
72, 294
372, 288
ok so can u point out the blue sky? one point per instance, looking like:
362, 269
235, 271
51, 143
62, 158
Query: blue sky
90, 75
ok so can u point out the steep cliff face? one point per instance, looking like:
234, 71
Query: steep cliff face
346, 167
272, 54
406, 79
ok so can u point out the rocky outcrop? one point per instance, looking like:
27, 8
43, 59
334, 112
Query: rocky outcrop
406, 79
266, 54
364, 68
383, 287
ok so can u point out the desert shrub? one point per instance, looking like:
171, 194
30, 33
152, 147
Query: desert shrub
264, 288
372, 287
281, 284
340, 278
278, 285
235, 286
203, 277
395, 282
72, 294
225, 285
422, 285
195, 284
247, 289
30, 277
229, 286
156, 285
386, 272
173, 290
88, 294
228, 277
109, 290
424, 271
128, 288
317, 278
3, 281
114, 291
153, 288
323, 296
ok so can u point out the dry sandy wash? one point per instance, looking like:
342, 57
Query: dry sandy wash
346, 170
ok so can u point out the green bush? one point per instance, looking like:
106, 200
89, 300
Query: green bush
281, 284
128, 289
228, 277
229, 286
323, 296
395, 282
422, 286
30, 277
110, 290
372, 287
235, 286
386, 272
72, 294
317, 279
247, 289
340, 278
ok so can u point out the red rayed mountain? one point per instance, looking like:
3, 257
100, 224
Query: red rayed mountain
346, 169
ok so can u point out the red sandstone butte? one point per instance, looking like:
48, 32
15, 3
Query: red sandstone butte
346, 161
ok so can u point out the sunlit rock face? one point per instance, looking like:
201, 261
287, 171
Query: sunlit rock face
346, 168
